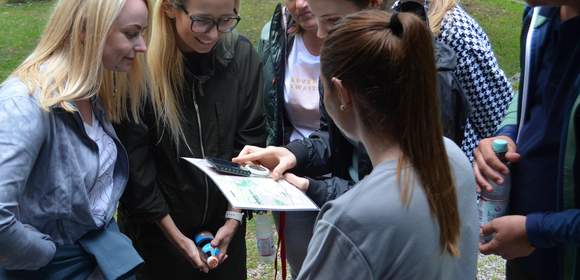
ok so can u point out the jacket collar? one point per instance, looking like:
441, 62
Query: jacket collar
221, 56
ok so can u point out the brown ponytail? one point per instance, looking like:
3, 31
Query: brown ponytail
387, 63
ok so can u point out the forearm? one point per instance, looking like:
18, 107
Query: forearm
546, 230
23, 247
322, 191
312, 155
168, 227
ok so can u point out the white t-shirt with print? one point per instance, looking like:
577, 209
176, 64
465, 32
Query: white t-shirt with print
301, 99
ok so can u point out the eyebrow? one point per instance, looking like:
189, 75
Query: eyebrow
136, 25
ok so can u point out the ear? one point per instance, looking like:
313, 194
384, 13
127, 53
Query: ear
169, 9
344, 96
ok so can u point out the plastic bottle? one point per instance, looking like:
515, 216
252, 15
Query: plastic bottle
265, 237
494, 204
203, 241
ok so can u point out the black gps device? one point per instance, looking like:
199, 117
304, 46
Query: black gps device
228, 167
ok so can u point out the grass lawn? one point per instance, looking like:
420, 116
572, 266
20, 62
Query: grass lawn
502, 21
22, 24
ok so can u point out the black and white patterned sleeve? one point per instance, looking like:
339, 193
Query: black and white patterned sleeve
478, 73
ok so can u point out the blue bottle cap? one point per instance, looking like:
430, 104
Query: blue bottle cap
499, 146
202, 238
210, 250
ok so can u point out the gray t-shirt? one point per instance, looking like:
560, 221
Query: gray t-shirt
368, 233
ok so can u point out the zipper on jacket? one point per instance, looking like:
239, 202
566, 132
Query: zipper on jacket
202, 148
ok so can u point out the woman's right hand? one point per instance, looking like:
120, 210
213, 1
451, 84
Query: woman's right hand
488, 165
277, 159
190, 251
185, 245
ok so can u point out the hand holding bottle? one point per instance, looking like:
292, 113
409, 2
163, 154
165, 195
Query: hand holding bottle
487, 166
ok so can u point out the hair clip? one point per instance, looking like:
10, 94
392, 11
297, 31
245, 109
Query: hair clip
395, 25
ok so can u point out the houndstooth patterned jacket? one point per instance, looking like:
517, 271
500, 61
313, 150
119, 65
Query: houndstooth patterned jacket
485, 84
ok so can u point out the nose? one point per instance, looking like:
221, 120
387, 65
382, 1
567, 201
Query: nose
140, 46
300, 4
212, 34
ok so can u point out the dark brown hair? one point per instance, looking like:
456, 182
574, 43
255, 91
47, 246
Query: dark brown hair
387, 63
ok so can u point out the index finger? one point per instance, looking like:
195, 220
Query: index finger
250, 156
492, 160
248, 149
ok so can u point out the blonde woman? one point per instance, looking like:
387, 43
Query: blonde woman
62, 168
206, 102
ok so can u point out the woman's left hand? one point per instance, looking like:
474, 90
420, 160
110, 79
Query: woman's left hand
223, 238
300, 183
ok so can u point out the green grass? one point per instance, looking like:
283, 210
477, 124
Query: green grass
502, 21
22, 24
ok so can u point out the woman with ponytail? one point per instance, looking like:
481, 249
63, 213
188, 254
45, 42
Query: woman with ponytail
413, 216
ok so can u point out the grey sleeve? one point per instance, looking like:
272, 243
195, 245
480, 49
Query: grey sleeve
332, 255
22, 133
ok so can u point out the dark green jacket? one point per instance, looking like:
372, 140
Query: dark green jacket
222, 111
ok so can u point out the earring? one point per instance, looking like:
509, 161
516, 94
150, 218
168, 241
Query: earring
342, 107
114, 83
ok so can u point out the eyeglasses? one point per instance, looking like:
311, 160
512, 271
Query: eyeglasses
200, 24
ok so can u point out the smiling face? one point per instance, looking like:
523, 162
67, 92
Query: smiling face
125, 39
200, 42
328, 12
301, 13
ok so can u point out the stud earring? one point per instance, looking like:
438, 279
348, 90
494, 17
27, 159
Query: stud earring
342, 107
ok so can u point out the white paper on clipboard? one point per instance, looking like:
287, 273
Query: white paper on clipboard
256, 193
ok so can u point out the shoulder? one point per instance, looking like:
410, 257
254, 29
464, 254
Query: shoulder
244, 45
14, 91
458, 161
460, 31
13, 87
20, 112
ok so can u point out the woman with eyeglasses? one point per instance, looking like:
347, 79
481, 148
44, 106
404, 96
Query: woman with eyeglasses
205, 102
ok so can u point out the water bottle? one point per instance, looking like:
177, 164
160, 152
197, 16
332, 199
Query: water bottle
494, 204
265, 237
203, 242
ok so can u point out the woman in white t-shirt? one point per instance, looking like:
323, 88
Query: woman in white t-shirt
290, 52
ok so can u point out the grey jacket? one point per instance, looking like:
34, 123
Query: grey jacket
47, 164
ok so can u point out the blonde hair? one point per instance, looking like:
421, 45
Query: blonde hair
437, 11
66, 65
165, 62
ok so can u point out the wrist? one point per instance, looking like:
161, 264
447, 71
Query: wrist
232, 223
234, 215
